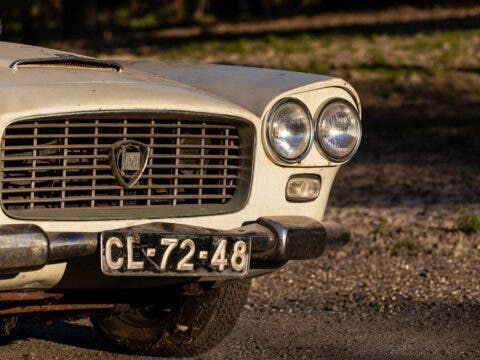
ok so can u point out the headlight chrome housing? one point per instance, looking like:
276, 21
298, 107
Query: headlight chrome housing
338, 130
289, 130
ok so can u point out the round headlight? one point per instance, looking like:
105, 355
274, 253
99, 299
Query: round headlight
289, 130
339, 130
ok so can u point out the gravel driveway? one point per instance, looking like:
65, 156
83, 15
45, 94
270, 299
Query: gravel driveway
408, 286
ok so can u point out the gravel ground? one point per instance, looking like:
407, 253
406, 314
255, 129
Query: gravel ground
408, 286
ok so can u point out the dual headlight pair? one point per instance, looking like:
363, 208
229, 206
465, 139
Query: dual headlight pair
291, 131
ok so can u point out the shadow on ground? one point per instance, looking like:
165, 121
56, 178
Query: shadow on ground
413, 164
418, 330
81, 335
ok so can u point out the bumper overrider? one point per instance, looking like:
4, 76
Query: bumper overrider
274, 241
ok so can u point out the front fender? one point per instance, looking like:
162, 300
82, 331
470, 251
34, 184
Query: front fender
254, 89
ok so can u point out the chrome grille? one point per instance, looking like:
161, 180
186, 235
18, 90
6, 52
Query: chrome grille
61, 167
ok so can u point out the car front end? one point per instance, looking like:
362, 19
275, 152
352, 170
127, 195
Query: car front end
123, 180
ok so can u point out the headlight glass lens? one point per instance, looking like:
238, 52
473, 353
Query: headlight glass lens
289, 130
339, 130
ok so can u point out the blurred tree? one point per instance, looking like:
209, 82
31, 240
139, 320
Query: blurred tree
79, 18
200, 10
179, 10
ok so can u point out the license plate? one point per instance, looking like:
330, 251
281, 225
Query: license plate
154, 254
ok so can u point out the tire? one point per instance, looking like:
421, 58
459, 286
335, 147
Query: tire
193, 326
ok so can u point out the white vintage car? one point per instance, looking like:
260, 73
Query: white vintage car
147, 195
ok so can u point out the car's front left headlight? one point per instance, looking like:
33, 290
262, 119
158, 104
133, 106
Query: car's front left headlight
339, 130
289, 130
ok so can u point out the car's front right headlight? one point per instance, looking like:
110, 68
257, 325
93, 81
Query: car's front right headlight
339, 130
289, 130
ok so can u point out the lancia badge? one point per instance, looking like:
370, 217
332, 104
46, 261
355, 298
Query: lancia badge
129, 159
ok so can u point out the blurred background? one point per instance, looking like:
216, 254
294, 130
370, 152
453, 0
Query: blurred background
408, 286
417, 56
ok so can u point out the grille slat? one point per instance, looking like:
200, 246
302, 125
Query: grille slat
94, 171
166, 146
88, 188
116, 125
65, 163
96, 157
119, 136
89, 198
53, 157
111, 177
36, 168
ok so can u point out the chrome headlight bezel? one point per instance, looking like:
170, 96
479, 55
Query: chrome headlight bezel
311, 134
318, 139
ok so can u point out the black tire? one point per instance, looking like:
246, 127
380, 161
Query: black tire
192, 327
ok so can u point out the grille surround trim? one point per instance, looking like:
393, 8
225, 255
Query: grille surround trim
246, 148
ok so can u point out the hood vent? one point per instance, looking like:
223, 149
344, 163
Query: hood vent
67, 61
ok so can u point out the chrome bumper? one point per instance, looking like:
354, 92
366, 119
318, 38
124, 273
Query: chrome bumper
275, 240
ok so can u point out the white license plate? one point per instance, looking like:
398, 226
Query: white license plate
154, 254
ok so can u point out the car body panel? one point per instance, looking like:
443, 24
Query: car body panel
250, 87
242, 92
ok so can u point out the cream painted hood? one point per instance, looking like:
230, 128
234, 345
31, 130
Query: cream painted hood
231, 90
39, 90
